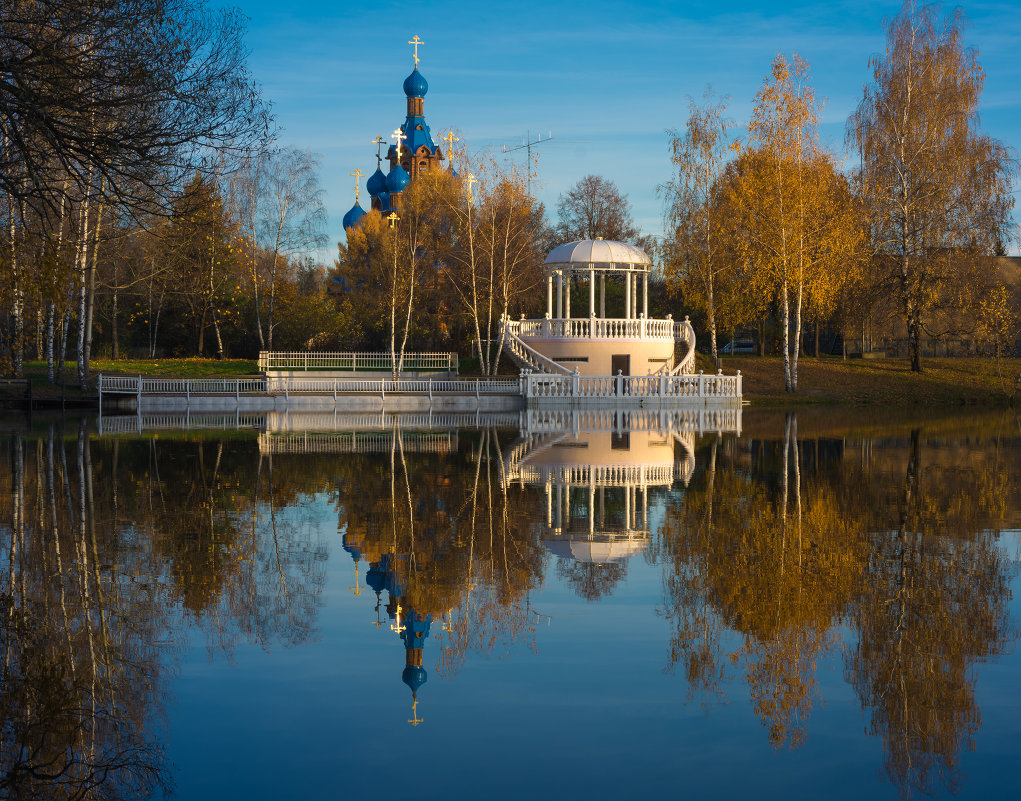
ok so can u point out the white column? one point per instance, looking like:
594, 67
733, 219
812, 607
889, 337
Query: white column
602, 295
560, 293
645, 294
591, 293
549, 295
549, 505
634, 296
567, 298
627, 295
591, 508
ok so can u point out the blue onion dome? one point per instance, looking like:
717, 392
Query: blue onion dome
397, 179
351, 219
376, 182
376, 578
414, 677
384, 200
415, 85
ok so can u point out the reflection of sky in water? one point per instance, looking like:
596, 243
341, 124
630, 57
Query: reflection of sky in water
594, 710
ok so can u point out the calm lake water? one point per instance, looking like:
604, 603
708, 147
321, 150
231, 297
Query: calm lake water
604, 606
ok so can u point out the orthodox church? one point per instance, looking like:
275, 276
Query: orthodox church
413, 153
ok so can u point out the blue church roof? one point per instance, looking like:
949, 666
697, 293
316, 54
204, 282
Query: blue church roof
376, 182
351, 219
414, 677
384, 200
415, 85
397, 179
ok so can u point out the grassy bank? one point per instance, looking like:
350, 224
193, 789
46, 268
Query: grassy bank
945, 382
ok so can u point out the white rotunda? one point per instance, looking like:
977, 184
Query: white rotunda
593, 343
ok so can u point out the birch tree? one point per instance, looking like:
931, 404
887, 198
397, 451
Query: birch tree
935, 188
699, 154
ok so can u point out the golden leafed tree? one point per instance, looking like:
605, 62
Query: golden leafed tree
792, 208
936, 190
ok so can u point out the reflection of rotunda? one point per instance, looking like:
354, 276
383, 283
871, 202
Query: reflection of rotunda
596, 483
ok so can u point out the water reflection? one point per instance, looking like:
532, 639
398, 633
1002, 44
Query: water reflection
778, 552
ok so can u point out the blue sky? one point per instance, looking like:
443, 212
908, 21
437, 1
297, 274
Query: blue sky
606, 78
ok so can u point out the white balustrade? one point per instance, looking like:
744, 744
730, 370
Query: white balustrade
352, 361
607, 388
594, 328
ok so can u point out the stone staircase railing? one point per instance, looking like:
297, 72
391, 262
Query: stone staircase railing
525, 356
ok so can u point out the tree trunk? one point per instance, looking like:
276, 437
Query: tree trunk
797, 332
92, 281
81, 259
50, 331
786, 321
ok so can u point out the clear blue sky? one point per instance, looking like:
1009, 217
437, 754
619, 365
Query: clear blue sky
607, 78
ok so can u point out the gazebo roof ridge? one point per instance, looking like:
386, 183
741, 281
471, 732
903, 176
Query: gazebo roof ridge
584, 255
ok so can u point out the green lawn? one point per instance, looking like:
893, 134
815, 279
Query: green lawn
174, 368
878, 382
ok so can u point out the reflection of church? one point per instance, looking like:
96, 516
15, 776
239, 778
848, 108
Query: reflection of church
413, 153
385, 571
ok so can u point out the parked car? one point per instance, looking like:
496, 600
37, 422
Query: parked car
739, 346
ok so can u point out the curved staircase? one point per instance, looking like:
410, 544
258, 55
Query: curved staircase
523, 355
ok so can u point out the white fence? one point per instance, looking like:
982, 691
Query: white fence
534, 386
579, 387
353, 362
285, 385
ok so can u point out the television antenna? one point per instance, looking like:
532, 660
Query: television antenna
528, 144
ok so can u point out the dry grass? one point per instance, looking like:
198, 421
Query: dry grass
945, 382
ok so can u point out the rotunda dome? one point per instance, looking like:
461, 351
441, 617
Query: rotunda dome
415, 85
351, 219
397, 179
376, 182
601, 252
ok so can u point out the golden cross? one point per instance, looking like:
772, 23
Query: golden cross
398, 628
400, 136
449, 139
415, 42
415, 719
471, 180
357, 175
379, 141
393, 218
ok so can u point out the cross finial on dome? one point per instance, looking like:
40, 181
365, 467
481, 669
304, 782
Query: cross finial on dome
449, 138
415, 42
471, 180
379, 141
400, 136
357, 175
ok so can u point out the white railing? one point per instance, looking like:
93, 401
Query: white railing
358, 442
549, 421
136, 423
599, 475
140, 385
579, 387
523, 354
683, 332
595, 328
353, 362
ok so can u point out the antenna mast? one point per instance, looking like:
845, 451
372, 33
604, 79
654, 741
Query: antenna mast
528, 145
